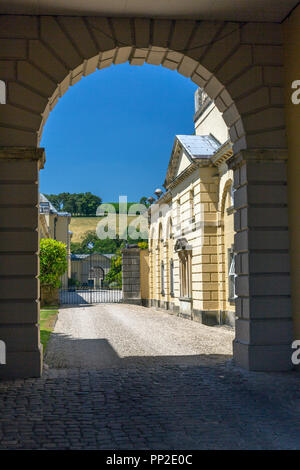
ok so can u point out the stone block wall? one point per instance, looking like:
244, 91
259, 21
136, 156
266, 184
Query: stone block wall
131, 283
49, 296
19, 263
264, 326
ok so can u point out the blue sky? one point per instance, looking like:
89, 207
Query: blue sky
112, 133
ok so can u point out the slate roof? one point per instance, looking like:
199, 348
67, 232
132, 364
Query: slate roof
52, 209
79, 256
199, 146
45, 200
196, 147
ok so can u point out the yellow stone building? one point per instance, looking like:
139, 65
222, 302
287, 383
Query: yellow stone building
89, 270
56, 225
191, 234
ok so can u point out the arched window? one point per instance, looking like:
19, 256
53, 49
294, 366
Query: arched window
2, 92
169, 231
232, 191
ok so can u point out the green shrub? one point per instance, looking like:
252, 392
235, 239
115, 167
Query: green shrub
143, 245
53, 262
114, 275
73, 282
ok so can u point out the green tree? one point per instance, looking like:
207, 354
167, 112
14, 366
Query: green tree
84, 204
107, 245
55, 200
89, 203
114, 275
53, 262
69, 203
143, 201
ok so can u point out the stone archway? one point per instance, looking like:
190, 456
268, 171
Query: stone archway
96, 274
239, 65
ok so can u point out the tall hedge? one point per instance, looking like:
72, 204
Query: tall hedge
53, 262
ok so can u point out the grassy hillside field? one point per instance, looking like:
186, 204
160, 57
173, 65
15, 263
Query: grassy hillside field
80, 225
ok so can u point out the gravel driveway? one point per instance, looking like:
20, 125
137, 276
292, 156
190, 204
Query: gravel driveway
119, 335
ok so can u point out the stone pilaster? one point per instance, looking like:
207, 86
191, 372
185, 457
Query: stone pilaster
131, 283
19, 263
264, 326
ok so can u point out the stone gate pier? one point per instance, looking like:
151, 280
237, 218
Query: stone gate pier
131, 284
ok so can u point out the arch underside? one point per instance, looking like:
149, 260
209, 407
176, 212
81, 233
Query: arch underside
223, 264
238, 65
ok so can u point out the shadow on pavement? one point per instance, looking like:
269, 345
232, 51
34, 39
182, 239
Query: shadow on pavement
64, 351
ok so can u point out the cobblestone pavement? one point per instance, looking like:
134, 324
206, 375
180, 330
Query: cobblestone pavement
155, 405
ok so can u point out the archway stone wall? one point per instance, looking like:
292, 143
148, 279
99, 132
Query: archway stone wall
239, 65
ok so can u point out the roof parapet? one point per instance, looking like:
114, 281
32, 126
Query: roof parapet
222, 154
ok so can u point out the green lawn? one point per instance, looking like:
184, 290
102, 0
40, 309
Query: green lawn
48, 317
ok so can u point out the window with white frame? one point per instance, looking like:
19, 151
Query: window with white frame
185, 259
